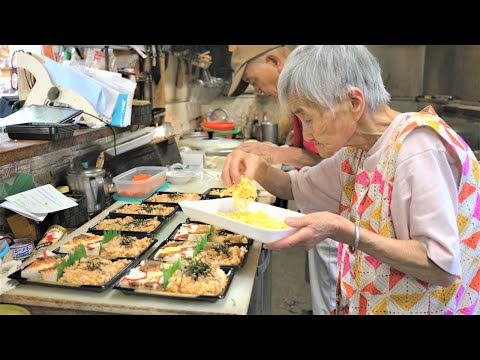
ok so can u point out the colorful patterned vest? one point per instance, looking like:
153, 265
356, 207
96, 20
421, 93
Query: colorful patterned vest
368, 286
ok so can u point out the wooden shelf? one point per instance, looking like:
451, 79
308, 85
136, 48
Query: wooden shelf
16, 150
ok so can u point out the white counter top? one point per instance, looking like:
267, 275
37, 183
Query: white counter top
236, 300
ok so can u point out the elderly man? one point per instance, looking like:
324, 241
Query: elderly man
261, 66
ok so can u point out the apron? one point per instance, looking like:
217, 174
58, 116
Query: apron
368, 286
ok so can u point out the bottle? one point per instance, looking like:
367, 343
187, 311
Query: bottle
256, 128
265, 118
247, 128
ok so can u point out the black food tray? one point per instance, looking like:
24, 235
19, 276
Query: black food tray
170, 192
37, 131
152, 255
188, 221
138, 234
206, 195
158, 293
17, 276
114, 214
57, 251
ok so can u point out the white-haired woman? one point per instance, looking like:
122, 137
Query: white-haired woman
398, 191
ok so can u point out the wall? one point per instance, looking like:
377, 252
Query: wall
411, 70
439, 77
180, 112
402, 68
182, 115
53, 167
453, 70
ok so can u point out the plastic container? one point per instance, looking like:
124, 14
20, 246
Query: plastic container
4, 248
140, 188
179, 176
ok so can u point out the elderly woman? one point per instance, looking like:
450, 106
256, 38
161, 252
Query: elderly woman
398, 191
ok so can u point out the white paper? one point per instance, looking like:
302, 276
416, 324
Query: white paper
43, 199
22, 211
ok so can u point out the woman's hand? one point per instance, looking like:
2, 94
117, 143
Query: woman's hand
313, 228
240, 163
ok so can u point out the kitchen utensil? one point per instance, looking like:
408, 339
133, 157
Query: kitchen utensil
90, 182
218, 125
270, 132
179, 176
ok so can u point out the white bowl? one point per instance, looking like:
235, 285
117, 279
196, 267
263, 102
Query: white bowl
179, 176
206, 211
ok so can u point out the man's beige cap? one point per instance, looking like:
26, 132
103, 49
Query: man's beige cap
240, 57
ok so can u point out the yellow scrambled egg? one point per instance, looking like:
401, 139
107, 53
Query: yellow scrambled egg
243, 193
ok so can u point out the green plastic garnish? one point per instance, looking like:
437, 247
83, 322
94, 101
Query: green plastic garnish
203, 241
168, 272
109, 235
79, 253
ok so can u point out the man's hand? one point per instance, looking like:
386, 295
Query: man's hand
266, 150
289, 139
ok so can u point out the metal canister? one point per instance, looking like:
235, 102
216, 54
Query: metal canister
270, 132
22, 248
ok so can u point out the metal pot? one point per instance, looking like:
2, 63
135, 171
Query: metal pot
270, 132
91, 183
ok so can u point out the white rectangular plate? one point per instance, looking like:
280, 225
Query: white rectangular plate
206, 211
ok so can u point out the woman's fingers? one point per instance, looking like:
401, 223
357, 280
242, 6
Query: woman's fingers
302, 238
312, 229
226, 176
237, 166
297, 221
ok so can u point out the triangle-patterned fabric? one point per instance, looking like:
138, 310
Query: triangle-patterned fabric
373, 286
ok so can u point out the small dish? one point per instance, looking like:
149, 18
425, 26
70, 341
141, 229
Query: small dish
179, 176
7, 309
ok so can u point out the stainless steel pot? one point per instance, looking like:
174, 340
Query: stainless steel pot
91, 183
270, 132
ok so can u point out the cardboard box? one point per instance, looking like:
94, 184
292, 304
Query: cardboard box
23, 227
